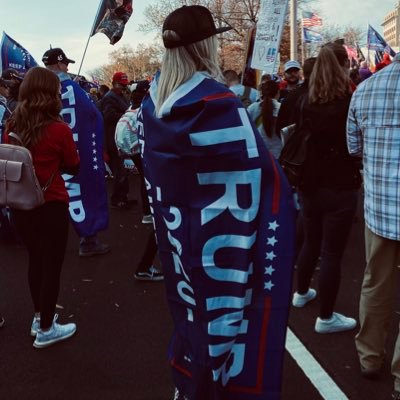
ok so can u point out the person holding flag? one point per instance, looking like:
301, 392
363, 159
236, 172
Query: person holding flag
87, 191
224, 219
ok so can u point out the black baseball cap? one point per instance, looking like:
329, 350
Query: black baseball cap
54, 56
10, 74
192, 24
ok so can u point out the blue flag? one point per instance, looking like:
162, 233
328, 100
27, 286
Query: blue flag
311, 36
13, 55
87, 190
378, 43
224, 219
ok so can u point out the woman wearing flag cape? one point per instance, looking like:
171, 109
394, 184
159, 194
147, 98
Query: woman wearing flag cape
224, 220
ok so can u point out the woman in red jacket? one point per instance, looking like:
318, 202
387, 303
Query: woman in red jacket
44, 230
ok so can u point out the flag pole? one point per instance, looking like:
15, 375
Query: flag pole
303, 50
90, 35
293, 30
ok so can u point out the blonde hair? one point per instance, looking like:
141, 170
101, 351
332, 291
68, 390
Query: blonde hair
180, 64
329, 79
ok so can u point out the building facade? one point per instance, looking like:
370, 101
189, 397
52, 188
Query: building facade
391, 27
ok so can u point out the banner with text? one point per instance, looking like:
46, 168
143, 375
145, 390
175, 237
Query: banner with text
269, 33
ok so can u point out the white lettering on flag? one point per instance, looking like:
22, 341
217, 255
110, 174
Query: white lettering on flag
227, 135
223, 241
229, 201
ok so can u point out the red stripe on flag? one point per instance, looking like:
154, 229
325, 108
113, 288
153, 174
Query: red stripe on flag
184, 371
258, 389
219, 96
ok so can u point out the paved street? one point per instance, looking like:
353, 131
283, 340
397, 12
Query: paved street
119, 351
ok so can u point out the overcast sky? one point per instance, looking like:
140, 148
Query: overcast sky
36, 24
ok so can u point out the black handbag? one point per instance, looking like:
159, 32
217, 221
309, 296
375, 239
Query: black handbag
294, 152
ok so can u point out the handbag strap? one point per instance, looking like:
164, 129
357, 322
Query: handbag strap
16, 137
302, 104
49, 182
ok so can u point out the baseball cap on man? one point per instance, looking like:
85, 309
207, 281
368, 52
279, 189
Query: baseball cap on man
291, 64
54, 56
120, 77
191, 24
10, 74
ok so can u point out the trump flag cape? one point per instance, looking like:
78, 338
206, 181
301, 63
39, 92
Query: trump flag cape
224, 219
87, 190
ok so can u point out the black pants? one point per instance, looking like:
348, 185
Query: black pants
137, 159
44, 232
121, 182
327, 217
150, 251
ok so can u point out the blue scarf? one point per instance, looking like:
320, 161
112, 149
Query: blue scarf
87, 190
224, 219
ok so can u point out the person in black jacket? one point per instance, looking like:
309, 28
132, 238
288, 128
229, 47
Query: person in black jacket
329, 191
286, 114
114, 104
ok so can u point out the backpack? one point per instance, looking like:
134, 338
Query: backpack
126, 137
296, 149
19, 186
245, 97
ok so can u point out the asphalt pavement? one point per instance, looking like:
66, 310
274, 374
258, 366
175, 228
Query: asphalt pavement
119, 351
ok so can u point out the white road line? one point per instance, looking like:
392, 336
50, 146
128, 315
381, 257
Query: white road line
325, 385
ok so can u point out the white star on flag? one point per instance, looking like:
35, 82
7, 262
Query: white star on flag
94, 151
273, 225
269, 270
270, 256
94, 159
93, 135
95, 167
271, 241
94, 143
268, 285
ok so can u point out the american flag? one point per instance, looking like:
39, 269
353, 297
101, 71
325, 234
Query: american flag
311, 19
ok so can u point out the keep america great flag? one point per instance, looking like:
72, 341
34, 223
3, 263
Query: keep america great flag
224, 219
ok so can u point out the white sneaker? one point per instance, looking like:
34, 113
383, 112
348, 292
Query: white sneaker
55, 334
35, 326
300, 300
336, 323
147, 219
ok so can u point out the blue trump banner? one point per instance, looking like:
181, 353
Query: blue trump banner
111, 18
87, 190
224, 219
311, 36
13, 55
377, 42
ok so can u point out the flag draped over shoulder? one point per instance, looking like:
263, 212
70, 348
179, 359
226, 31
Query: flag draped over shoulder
378, 43
224, 219
311, 36
111, 18
13, 55
87, 190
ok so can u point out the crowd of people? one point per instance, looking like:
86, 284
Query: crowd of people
351, 116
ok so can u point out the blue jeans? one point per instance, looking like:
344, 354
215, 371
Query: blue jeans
328, 215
